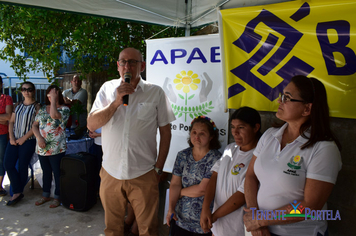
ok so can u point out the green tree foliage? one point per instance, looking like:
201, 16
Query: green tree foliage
93, 42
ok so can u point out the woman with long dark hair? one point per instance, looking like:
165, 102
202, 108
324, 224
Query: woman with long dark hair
22, 141
294, 166
49, 129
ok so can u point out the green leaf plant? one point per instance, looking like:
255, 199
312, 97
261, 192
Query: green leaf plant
94, 43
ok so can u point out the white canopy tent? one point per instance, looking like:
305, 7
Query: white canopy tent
177, 13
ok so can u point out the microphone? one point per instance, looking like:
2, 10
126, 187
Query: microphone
127, 77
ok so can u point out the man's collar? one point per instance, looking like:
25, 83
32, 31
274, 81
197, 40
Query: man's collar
141, 84
77, 91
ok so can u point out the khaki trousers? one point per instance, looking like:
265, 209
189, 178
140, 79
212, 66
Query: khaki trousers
142, 192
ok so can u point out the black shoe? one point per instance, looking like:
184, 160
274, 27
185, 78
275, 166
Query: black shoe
16, 200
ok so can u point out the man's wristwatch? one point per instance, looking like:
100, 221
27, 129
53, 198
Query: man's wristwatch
158, 170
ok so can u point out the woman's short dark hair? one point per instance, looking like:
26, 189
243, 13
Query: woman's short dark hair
213, 131
31, 85
249, 116
311, 90
60, 96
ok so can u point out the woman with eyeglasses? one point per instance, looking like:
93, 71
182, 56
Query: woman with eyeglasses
190, 176
295, 166
22, 141
6, 106
49, 128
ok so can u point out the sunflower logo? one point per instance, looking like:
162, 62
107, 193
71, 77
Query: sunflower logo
296, 159
295, 162
186, 81
189, 82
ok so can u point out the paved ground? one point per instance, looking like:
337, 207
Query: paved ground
25, 218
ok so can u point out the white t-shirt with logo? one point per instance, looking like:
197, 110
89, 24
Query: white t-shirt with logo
231, 169
282, 175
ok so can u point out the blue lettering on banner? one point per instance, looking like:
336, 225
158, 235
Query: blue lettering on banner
196, 55
249, 40
159, 56
200, 56
343, 31
214, 53
174, 55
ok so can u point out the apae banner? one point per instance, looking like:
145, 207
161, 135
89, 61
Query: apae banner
189, 71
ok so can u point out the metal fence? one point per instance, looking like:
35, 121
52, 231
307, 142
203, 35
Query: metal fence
11, 87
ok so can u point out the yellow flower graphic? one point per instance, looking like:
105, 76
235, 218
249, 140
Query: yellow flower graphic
186, 81
296, 159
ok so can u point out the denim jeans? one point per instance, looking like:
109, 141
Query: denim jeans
22, 155
3, 142
49, 165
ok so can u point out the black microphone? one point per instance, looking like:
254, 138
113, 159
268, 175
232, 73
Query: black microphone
127, 77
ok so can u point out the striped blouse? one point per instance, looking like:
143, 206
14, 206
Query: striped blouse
24, 118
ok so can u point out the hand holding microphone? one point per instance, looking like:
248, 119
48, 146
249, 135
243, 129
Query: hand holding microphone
127, 77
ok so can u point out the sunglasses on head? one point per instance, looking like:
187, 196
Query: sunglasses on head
27, 89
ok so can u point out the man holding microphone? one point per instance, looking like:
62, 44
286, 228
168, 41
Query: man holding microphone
131, 167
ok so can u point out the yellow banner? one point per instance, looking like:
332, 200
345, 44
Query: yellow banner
265, 46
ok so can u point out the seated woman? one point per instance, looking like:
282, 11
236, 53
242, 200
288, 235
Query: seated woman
227, 181
22, 141
49, 129
191, 174
295, 165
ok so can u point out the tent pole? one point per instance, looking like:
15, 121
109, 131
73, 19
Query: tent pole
188, 16
187, 30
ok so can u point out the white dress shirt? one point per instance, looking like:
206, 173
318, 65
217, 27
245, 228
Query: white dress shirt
129, 137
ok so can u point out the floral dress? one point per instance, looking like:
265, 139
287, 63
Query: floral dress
53, 131
192, 172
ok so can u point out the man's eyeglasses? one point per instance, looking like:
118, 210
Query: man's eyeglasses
27, 89
285, 98
131, 62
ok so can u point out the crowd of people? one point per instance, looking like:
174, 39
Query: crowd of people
30, 128
293, 163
